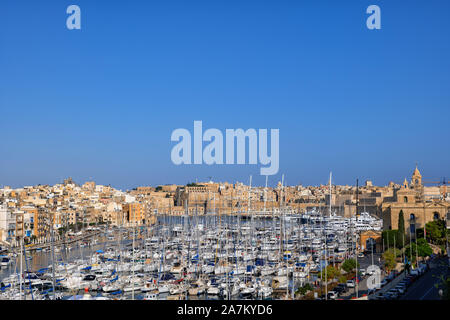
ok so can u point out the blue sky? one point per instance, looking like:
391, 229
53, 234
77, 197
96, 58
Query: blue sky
101, 102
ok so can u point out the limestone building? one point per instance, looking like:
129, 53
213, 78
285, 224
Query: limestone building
417, 209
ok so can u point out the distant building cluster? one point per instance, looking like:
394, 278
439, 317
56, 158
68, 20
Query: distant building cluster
32, 211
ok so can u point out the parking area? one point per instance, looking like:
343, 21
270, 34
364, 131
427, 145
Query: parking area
418, 284
405, 285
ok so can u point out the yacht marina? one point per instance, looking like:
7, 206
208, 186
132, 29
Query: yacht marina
211, 256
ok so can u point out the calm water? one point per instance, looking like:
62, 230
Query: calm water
42, 259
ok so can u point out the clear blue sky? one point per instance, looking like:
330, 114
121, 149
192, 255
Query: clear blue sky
101, 102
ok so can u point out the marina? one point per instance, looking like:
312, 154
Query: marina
191, 257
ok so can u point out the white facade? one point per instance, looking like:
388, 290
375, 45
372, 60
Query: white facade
129, 199
7, 224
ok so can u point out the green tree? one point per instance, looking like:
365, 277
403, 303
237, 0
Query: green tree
389, 237
332, 273
304, 289
193, 184
401, 231
420, 233
390, 259
349, 265
436, 231
423, 250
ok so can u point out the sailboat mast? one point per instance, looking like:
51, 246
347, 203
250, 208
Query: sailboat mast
330, 192
53, 256
356, 254
249, 212
132, 256
326, 255
265, 196
21, 266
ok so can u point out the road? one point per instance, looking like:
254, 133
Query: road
424, 287
364, 263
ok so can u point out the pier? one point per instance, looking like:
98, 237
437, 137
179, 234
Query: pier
38, 246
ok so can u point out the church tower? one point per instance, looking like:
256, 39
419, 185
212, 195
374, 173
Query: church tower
416, 179
416, 183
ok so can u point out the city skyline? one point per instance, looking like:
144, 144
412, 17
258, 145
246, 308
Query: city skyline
209, 179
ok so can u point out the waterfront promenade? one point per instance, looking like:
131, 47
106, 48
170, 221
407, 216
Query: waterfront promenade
38, 246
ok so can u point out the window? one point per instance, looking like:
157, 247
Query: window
412, 223
405, 199
436, 216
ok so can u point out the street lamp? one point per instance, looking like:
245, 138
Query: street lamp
447, 227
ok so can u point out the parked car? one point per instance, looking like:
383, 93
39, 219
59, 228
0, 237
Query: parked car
350, 284
401, 289
371, 291
377, 296
362, 271
338, 289
387, 296
423, 269
414, 272
391, 276
409, 277
342, 287
371, 272
393, 293
409, 280
424, 266
404, 282
332, 295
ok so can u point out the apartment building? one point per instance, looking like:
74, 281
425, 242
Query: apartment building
7, 224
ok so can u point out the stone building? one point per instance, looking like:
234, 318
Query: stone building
417, 210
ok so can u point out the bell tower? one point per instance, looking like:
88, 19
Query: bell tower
416, 182
416, 179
